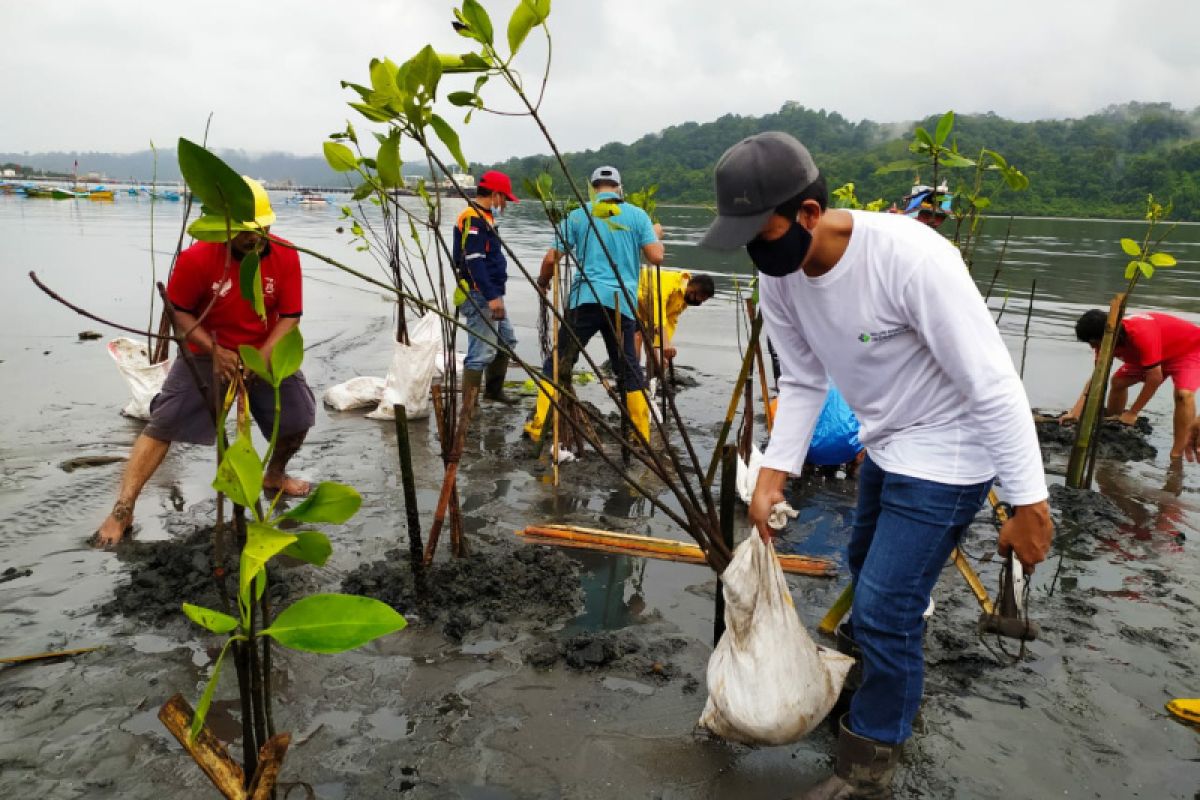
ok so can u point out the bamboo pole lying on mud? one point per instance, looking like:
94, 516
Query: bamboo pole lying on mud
661, 549
47, 656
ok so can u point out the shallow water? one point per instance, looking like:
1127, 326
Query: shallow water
1082, 716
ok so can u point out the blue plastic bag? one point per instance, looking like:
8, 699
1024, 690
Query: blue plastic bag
835, 439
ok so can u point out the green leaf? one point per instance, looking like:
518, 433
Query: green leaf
206, 698
239, 475
525, 16
1163, 260
388, 161
218, 185
1146, 268
996, 158
944, 126
463, 99
953, 160
340, 157
262, 542
287, 356
253, 359
1016, 180
214, 621
312, 547
1131, 247
1131, 269
212, 228
921, 135
449, 138
477, 18
372, 113
333, 623
982, 202
362, 190
422, 73
329, 502
250, 277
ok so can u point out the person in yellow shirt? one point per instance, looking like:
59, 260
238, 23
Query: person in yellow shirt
661, 307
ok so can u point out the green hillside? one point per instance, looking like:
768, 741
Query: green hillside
1102, 165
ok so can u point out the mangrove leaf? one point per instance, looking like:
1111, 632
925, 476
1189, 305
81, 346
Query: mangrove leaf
311, 547
253, 360
287, 356
262, 543
209, 619
1131, 247
206, 698
388, 161
218, 186
240, 473
333, 623
329, 502
250, 280
340, 157
449, 138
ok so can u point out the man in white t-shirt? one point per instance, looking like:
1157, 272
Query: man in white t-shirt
884, 306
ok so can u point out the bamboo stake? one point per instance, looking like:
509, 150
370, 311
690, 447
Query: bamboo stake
731, 412
762, 374
553, 407
729, 458
624, 401
47, 656
1093, 408
449, 482
656, 548
270, 762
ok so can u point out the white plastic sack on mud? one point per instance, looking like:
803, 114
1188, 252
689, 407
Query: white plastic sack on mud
747, 474
145, 379
357, 392
768, 682
411, 373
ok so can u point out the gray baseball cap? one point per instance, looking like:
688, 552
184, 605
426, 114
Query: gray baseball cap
606, 174
753, 177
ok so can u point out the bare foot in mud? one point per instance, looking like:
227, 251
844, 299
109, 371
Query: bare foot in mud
288, 486
115, 526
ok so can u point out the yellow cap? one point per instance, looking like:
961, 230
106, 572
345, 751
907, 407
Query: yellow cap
264, 215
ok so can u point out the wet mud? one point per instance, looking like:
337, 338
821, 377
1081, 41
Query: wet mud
535, 585
1117, 442
578, 674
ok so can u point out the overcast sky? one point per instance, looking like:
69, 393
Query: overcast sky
110, 75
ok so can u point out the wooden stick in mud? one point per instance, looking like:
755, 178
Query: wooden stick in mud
553, 407
47, 656
659, 549
270, 762
449, 482
731, 412
1028, 317
207, 751
762, 371
407, 479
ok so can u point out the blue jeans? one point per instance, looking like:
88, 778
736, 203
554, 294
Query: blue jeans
586, 320
481, 342
904, 531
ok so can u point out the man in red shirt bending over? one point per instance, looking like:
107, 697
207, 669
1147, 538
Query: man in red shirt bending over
1152, 347
203, 288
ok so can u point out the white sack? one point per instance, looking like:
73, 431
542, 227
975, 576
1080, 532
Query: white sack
145, 379
355, 393
411, 373
768, 682
747, 474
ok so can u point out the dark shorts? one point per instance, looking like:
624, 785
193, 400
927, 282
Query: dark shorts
178, 413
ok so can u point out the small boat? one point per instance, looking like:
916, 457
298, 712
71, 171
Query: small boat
132, 190
162, 194
100, 193
926, 204
309, 199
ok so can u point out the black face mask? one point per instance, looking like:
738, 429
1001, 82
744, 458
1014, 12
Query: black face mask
783, 255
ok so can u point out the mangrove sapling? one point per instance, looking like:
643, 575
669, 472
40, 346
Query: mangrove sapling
402, 97
1144, 259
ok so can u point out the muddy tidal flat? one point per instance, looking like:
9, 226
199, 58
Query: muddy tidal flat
540, 673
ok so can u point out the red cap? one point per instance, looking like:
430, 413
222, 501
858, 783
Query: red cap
498, 182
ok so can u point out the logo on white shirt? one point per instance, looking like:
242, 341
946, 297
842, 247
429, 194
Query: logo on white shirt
884, 335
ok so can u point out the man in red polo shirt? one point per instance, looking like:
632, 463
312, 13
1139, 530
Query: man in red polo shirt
1152, 347
204, 289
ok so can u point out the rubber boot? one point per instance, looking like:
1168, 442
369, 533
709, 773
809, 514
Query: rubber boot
472, 378
541, 410
867, 765
639, 414
493, 381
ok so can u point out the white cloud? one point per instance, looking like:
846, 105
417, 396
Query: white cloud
113, 74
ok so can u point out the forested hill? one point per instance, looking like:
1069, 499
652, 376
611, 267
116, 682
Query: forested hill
1102, 165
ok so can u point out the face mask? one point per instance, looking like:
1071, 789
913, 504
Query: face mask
782, 256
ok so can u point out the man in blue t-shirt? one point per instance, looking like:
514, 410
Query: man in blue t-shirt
608, 247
